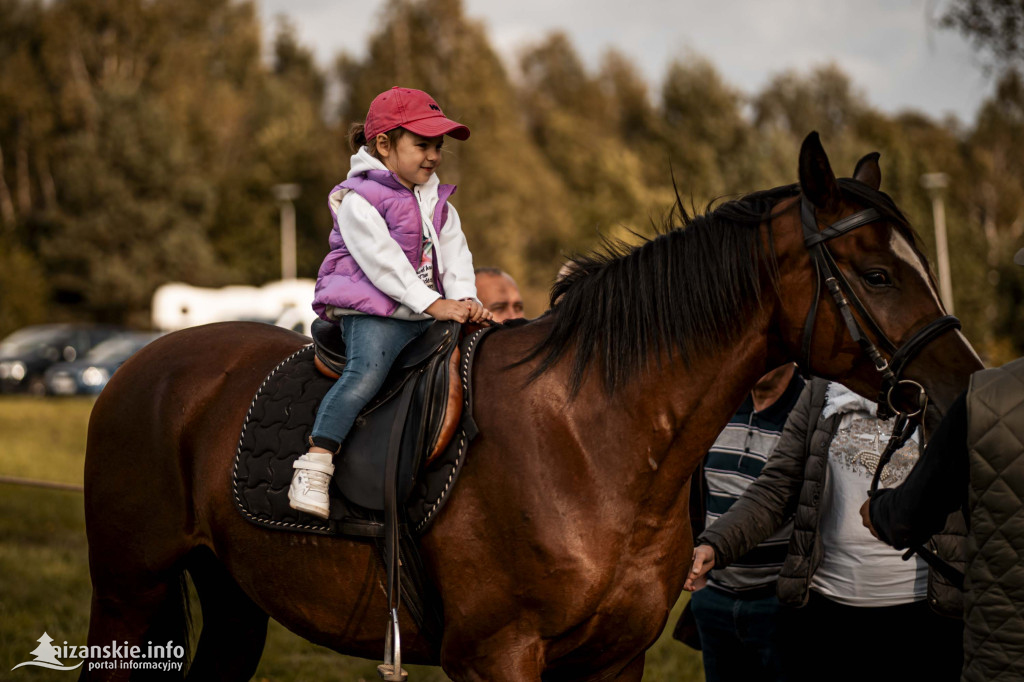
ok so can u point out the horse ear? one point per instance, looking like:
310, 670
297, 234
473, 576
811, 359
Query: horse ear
817, 180
868, 172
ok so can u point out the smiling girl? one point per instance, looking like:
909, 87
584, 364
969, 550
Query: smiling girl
398, 261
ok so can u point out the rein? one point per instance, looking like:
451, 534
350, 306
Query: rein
827, 271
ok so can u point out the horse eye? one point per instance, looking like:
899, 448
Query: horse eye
877, 278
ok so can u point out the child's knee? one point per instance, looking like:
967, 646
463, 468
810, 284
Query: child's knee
363, 385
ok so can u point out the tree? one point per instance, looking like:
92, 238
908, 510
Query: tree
995, 27
139, 141
996, 205
577, 125
26, 293
705, 132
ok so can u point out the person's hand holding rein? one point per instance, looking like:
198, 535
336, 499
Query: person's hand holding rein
703, 562
460, 311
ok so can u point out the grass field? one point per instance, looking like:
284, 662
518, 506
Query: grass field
45, 577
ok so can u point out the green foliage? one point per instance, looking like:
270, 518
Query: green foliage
704, 130
20, 272
55, 426
996, 27
142, 140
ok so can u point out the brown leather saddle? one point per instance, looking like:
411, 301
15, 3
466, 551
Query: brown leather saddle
422, 417
432, 359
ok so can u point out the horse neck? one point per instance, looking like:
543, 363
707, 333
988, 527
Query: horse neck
696, 402
652, 435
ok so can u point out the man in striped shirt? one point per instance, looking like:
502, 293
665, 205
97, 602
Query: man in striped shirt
737, 616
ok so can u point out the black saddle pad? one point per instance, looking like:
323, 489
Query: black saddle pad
275, 434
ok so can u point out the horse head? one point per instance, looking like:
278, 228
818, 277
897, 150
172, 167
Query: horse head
866, 311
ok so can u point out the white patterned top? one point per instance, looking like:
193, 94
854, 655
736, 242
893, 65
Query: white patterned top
856, 569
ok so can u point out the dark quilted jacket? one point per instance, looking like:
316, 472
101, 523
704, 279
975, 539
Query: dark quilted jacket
793, 479
994, 605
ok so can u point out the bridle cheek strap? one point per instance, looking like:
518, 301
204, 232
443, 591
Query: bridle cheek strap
814, 240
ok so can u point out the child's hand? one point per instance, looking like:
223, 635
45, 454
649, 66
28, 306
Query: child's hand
460, 311
478, 313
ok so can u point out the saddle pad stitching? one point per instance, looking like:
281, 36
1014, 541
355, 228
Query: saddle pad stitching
466, 359
238, 455
444, 493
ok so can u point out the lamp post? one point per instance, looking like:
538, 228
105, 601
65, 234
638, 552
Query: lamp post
934, 183
285, 194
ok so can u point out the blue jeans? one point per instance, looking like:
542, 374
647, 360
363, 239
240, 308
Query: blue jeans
739, 637
371, 345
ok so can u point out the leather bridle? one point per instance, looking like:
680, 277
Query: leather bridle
843, 294
827, 272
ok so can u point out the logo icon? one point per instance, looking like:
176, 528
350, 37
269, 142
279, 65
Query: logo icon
435, 107
46, 656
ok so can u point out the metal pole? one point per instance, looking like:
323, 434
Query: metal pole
285, 194
935, 183
287, 240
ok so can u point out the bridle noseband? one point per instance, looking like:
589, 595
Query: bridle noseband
843, 294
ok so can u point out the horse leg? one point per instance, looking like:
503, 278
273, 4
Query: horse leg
234, 627
633, 672
138, 523
504, 657
134, 612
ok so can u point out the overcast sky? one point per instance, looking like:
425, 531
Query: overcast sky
890, 48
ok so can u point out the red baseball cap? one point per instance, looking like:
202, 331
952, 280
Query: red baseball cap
413, 110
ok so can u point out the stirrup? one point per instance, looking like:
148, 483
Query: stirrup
391, 669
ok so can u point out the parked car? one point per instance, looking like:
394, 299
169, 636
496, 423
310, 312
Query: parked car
27, 353
90, 374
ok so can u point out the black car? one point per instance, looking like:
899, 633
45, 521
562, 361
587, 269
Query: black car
27, 353
90, 374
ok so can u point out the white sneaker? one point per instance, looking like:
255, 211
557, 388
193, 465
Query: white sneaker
312, 478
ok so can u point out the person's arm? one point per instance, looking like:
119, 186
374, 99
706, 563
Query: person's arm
915, 510
770, 500
458, 277
380, 257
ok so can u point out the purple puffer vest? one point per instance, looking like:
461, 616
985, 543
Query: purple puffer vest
341, 282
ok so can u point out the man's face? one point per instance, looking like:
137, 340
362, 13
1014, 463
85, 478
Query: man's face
500, 295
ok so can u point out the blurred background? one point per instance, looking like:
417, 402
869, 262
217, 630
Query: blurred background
147, 142
167, 162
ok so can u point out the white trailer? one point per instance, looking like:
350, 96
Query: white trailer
284, 302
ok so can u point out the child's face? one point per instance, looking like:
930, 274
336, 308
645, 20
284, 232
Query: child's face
412, 158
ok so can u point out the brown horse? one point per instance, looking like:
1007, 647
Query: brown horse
566, 541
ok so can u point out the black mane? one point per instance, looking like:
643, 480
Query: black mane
686, 291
